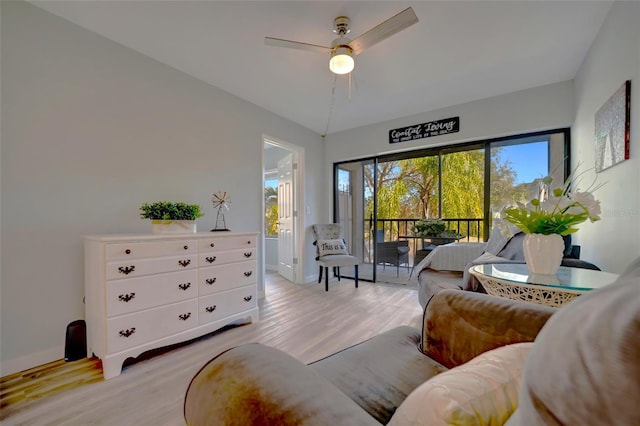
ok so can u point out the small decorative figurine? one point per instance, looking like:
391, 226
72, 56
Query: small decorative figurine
221, 202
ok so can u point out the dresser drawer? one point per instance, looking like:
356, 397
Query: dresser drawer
226, 277
127, 331
220, 305
135, 294
139, 267
125, 251
219, 258
227, 243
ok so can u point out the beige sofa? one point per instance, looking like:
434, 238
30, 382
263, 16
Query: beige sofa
365, 383
464, 367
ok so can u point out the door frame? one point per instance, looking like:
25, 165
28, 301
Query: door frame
299, 226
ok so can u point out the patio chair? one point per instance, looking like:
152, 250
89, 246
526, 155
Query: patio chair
393, 253
332, 252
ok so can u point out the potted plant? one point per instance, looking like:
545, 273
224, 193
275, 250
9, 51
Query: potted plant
171, 218
552, 213
429, 228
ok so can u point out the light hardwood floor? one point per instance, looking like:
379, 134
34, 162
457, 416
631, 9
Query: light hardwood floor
302, 320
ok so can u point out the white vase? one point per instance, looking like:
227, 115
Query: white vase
173, 226
543, 253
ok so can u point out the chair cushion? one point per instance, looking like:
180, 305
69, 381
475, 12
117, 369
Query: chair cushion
482, 392
331, 247
337, 260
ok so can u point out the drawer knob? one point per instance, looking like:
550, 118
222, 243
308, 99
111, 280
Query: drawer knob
210, 259
184, 286
248, 298
210, 308
184, 263
126, 269
186, 247
126, 297
128, 332
248, 254
248, 273
210, 280
249, 242
127, 251
185, 317
212, 244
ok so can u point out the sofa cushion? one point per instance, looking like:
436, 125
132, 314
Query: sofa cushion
378, 374
482, 392
254, 384
589, 354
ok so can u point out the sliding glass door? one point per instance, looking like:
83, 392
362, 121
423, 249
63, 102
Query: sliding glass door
352, 194
379, 200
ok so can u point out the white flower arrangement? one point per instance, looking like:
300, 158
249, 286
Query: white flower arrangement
555, 211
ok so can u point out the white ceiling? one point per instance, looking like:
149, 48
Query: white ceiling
459, 51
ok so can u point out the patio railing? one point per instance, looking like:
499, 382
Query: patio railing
394, 229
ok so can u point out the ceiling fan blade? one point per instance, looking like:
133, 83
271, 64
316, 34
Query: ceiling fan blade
386, 29
278, 42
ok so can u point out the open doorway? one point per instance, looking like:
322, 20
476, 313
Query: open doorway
282, 183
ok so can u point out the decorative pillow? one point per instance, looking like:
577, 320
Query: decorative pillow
328, 247
589, 352
513, 249
500, 235
483, 391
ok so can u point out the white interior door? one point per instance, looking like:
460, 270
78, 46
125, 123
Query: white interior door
286, 215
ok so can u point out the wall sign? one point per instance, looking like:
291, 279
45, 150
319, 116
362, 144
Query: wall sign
425, 130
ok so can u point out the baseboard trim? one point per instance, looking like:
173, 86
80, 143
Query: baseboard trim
27, 362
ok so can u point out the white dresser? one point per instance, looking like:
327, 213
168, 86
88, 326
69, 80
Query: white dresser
147, 291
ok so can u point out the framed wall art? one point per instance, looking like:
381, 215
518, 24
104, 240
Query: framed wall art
612, 124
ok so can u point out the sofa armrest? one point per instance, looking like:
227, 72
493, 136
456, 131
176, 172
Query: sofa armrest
258, 385
459, 325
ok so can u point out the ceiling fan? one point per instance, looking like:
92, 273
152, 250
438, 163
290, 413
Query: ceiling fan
343, 49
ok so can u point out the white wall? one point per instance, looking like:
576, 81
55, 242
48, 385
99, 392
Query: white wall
91, 130
611, 243
541, 108
613, 58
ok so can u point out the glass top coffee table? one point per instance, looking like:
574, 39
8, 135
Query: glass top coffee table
513, 281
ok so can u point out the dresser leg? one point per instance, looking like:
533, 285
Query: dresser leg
111, 368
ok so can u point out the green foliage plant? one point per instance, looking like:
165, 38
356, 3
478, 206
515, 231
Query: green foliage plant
429, 227
554, 211
165, 210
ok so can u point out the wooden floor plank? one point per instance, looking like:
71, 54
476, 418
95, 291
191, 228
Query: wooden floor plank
303, 320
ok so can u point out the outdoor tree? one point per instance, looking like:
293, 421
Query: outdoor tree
409, 189
271, 211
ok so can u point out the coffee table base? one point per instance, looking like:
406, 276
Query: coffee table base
540, 294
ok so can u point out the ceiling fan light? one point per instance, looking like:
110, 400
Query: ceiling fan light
341, 61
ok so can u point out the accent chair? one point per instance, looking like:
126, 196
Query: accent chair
332, 252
